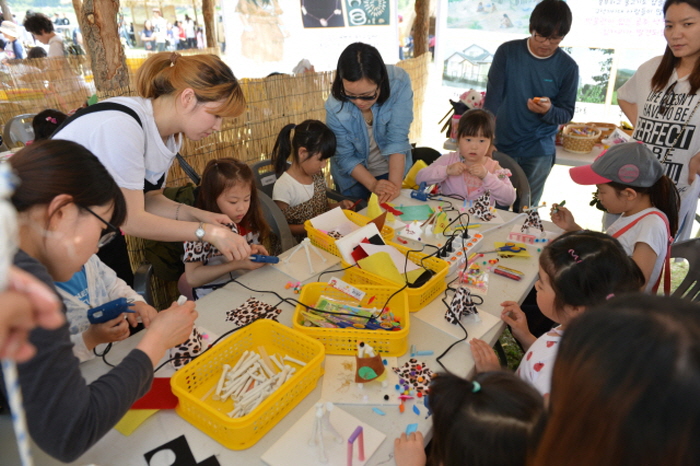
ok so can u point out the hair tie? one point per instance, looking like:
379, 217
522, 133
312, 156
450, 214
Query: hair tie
476, 386
575, 256
51, 120
611, 295
173, 58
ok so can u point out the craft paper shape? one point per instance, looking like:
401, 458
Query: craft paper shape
295, 442
441, 222
412, 231
160, 396
379, 221
251, 310
414, 375
187, 350
339, 384
482, 208
420, 212
373, 209
409, 182
298, 267
381, 263
178, 447
462, 305
348, 242
132, 420
510, 249
368, 364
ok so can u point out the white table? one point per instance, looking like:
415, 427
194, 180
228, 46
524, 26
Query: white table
563, 157
426, 333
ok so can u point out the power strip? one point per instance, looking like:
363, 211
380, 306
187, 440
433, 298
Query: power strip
460, 250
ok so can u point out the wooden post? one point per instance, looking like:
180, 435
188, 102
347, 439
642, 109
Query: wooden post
98, 21
6, 12
421, 26
209, 22
77, 6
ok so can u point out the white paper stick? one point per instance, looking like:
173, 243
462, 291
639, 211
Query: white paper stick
19, 421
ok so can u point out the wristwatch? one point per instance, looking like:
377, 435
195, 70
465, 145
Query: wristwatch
199, 232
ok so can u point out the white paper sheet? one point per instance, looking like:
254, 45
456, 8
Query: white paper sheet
347, 243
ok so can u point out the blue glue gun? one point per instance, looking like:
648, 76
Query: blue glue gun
263, 258
109, 311
420, 193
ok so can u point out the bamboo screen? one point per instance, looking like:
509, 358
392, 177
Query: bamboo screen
65, 84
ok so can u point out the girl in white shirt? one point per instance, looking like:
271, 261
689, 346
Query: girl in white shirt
300, 191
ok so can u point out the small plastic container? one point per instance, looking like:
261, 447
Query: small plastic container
345, 340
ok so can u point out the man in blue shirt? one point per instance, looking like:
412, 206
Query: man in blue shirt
532, 87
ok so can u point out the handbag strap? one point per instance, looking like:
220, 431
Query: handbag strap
103, 106
667, 262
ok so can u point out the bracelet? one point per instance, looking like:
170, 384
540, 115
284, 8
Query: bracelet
177, 211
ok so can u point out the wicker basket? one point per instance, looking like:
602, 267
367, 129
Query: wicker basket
578, 143
606, 129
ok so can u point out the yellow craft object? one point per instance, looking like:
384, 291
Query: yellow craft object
441, 222
133, 419
373, 209
410, 181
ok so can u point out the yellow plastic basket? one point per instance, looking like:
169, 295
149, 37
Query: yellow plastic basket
325, 242
418, 298
194, 383
345, 340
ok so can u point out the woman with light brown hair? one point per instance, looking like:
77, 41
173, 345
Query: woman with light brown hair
138, 138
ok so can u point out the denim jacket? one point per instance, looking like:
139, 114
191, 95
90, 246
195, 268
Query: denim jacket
392, 121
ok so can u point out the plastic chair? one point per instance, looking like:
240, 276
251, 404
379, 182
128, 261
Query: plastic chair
518, 178
690, 286
18, 130
426, 154
277, 221
265, 177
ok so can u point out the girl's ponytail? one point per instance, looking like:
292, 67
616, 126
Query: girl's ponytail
664, 196
282, 149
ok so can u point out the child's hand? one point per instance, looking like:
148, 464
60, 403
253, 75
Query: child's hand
456, 169
346, 204
562, 217
485, 359
478, 170
143, 310
517, 320
259, 249
116, 329
409, 450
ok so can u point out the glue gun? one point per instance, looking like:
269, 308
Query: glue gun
421, 193
109, 311
263, 258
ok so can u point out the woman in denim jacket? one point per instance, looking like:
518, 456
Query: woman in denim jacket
370, 111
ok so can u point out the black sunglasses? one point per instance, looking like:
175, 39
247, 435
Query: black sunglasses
111, 230
667, 99
362, 97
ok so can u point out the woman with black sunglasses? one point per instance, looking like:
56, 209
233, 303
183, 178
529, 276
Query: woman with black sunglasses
370, 110
661, 100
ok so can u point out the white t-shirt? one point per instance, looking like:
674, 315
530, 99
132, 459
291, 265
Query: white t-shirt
290, 191
377, 164
659, 131
537, 364
56, 48
129, 152
160, 28
650, 230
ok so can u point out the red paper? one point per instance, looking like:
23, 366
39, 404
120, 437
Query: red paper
159, 397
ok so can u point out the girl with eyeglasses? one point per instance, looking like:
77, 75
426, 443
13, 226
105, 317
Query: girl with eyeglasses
661, 101
370, 110
65, 201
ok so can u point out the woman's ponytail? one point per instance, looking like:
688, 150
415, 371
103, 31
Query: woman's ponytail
664, 196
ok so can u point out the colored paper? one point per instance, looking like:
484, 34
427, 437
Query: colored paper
415, 212
133, 419
160, 396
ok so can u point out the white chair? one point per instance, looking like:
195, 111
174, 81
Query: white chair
18, 131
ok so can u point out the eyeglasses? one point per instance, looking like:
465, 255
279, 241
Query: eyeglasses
362, 97
111, 232
667, 99
554, 40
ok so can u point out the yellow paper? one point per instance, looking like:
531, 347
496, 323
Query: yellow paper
373, 209
441, 223
410, 181
380, 263
133, 419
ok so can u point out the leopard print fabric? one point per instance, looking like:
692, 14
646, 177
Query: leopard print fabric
315, 206
187, 350
462, 305
250, 311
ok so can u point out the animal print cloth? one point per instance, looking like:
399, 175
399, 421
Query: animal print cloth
462, 305
250, 311
187, 350
482, 208
318, 204
414, 375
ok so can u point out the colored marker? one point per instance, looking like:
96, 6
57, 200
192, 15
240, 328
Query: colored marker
556, 207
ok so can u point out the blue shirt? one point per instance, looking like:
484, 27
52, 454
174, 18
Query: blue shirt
515, 76
392, 121
77, 286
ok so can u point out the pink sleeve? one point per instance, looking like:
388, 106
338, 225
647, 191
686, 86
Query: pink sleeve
498, 182
437, 171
